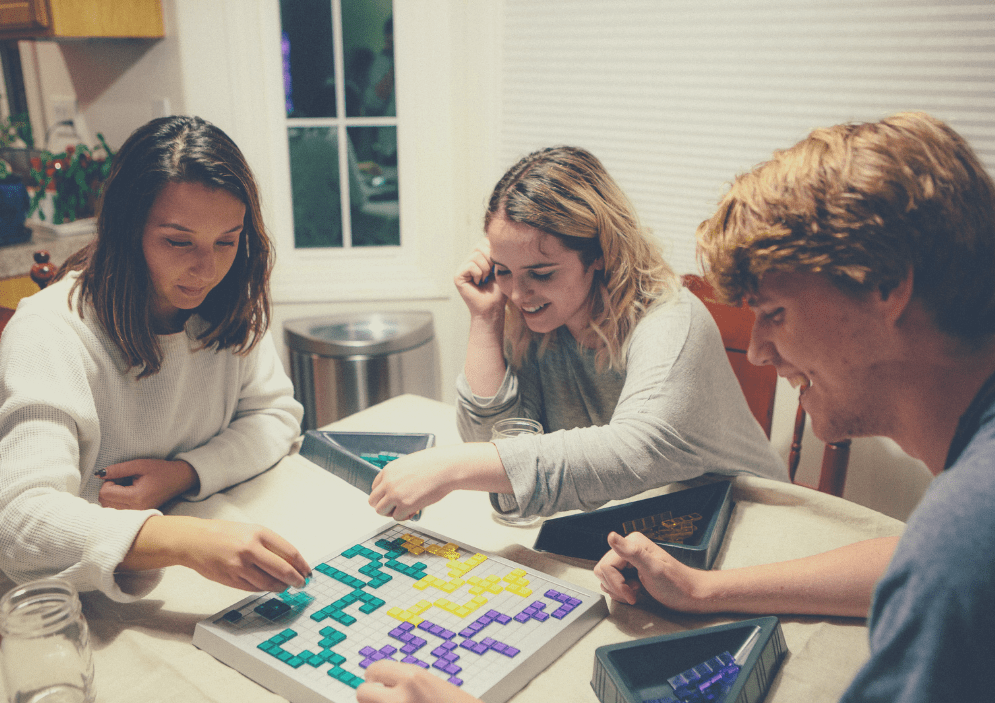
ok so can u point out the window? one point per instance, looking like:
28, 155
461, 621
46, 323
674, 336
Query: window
338, 75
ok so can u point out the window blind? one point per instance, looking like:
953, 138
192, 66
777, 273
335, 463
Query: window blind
676, 97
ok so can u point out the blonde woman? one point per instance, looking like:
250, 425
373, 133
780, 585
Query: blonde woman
576, 321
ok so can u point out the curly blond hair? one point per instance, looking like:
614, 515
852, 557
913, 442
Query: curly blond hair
567, 193
866, 204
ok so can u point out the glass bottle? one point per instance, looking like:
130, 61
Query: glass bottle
45, 647
512, 427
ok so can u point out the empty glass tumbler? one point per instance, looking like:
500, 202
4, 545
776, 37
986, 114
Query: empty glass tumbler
512, 427
45, 652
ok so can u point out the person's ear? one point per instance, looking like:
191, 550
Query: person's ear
895, 301
599, 264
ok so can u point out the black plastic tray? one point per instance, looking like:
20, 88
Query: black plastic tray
340, 452
585, 536
637, 671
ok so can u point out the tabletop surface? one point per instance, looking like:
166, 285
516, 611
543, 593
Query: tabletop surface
143, 650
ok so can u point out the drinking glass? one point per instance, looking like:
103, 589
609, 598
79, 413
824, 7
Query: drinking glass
512, 427
45, 647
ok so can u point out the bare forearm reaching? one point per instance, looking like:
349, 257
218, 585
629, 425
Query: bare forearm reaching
250, 557
838, 582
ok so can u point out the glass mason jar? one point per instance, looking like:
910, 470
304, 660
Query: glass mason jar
45, 647
512, 427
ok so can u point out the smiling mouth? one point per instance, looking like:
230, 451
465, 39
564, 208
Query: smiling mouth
192, 291
535, 309
801, 381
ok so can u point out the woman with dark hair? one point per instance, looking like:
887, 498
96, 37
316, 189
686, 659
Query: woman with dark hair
146, 373
578, 322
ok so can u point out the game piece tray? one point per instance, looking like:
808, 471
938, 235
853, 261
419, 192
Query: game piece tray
585, 535
637, 671
341, 452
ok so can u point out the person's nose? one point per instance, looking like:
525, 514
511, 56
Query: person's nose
521, 290
205, 265
760, 351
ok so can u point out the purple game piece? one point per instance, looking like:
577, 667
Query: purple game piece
439, 651
503, 619
541, 617
522, 617
493, 614
510, 651
480, 648
455, 681
409, 649
489, 641
499, 647
367, 651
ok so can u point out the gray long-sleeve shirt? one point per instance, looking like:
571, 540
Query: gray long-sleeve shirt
675, 413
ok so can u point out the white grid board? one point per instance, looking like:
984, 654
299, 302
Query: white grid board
233, 636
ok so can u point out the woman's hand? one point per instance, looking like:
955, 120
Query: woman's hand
394, 682
660, 575
250, 557
475, 282
141, 484
408, 484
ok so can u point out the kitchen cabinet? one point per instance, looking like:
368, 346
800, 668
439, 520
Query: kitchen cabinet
80, 19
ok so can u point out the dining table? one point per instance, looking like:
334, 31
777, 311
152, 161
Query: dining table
144, 651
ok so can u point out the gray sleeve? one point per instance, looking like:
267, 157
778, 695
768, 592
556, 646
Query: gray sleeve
681, 414
520, 395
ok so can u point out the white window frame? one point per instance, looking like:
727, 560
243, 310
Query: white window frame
241, 91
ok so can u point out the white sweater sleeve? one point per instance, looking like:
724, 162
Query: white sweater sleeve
266, 421
46, 527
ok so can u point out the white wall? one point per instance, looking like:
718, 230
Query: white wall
218, 60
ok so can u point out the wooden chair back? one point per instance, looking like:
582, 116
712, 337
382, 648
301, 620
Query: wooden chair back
759, 385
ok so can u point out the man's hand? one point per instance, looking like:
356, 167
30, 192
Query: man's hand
657, 573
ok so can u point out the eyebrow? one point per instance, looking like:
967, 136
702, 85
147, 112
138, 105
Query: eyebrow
530, 266
181, 228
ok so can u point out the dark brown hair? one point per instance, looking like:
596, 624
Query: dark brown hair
113, 274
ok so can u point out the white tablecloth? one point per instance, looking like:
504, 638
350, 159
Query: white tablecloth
143, 651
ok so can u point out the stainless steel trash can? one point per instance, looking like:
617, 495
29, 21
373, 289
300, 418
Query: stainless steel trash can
341, 364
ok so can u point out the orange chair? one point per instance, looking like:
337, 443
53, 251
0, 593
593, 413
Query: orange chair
759, 385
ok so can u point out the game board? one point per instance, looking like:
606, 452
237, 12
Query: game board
478, 620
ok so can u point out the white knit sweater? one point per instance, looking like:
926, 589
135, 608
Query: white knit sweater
69, 406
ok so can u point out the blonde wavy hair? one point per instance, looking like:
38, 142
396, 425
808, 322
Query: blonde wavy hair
567, 193
866, 204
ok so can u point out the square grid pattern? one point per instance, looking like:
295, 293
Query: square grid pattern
482, 622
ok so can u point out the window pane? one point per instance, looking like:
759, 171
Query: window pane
314, 180
368, 42
308, 58
373, 186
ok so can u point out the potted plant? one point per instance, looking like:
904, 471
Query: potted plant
14, 202
70, 180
